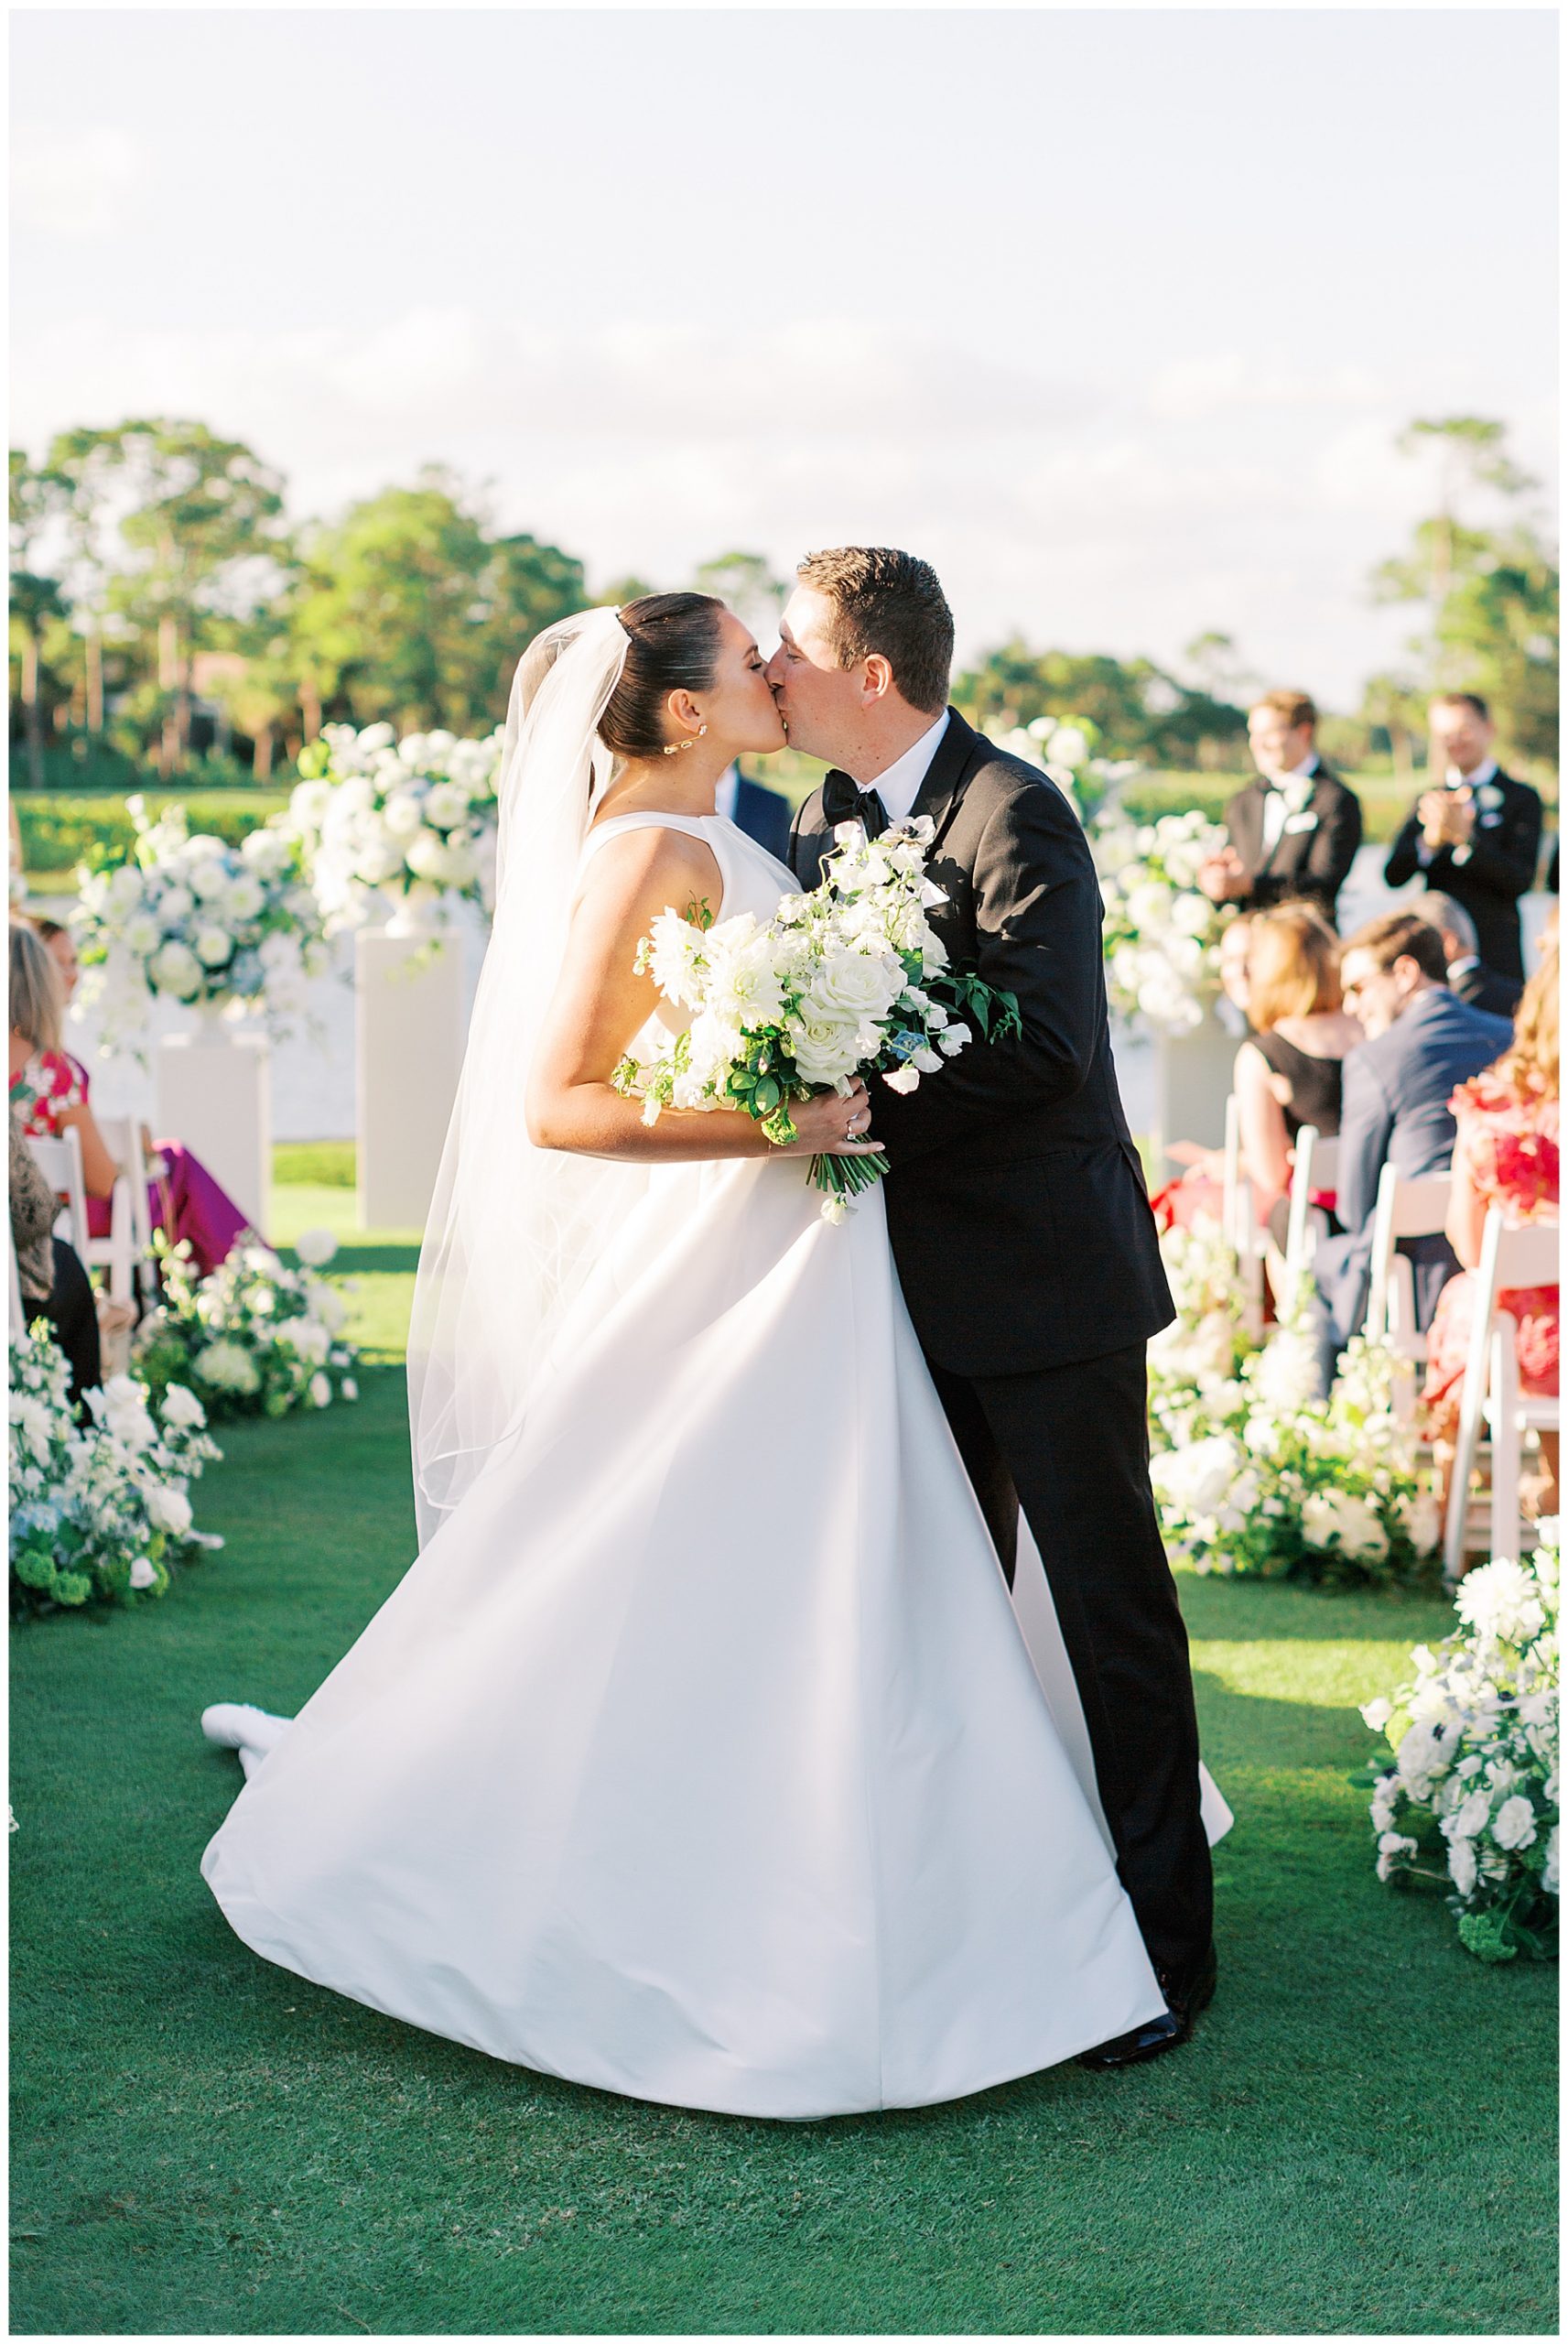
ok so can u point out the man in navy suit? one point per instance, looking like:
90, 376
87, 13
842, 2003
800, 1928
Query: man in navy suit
761, 813
1421, 1043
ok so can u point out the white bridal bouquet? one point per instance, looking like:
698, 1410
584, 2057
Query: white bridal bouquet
846, 981
384, 823
100, 1510
1472, 1794
1162, 932
191, 918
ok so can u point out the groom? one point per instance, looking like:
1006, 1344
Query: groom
1017, 1210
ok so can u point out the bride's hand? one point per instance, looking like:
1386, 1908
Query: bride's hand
830, 1126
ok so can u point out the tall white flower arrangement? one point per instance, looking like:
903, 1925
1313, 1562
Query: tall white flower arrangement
382, 822
187, 917
1472, 1794
1162, 932
1066, 747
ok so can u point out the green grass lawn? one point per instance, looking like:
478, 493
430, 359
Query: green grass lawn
1360, 2140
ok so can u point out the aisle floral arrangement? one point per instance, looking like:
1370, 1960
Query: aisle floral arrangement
1066, 748
1162, 932
255, 1338
388, 825
190, 918
1471, 1796
847, 978
1254, 1474
101, 1513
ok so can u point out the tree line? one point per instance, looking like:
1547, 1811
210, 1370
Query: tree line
155, 574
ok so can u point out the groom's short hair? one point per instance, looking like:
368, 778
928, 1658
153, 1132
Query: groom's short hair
890, 604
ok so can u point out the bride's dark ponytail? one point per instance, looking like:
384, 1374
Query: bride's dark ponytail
673, 646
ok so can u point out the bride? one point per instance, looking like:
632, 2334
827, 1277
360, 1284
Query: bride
700, 1756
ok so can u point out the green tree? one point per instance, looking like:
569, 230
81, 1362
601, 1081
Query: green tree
752, 588
36, 494
1140, 712
529, 585
87, 462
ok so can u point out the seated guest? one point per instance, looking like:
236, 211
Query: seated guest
183, 1198
1505, 1153
1469, 976
53, 1279
761, 813
1421, 1044
1288, 1073
1294, 832
1476, 834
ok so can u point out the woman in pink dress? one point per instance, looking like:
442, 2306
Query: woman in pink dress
183, 1198
1505, 1153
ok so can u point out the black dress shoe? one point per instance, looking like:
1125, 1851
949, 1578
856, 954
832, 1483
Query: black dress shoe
1186, 1996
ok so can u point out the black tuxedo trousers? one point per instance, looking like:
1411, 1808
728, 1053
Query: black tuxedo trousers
1071, 1445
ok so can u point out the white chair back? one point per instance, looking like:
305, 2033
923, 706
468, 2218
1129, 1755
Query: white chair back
60, 1161
126, 1251
1406, 1207
1316, 1165
1230, 1189
1490, 1397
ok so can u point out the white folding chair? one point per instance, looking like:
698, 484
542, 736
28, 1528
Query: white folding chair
1238, 1218
1490, 1396
1316, 1166
126, 1251
60, 1161
18, 1319
1406, 1207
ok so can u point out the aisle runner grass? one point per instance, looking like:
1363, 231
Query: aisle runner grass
1361, 2139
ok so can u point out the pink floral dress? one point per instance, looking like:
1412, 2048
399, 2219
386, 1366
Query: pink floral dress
1507, 1150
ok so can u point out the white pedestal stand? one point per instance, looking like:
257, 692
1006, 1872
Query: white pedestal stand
214, 1092
408, 1042
1194, 1076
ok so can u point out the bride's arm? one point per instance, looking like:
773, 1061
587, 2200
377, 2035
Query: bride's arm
600, 1003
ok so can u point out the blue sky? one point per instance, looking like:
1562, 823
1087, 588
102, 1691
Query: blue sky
1113, 315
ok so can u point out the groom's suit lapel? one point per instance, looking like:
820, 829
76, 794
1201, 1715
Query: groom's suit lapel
958, 752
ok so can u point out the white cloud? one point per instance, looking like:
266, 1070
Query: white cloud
71, 181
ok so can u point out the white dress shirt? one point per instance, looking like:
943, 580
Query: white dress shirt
899, 786
1276, 806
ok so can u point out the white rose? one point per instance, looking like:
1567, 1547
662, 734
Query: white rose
182, 1408
1462, 1867
320, 1390
125, 887
142, 935
168, 1509
208, 878
241, 899
142, 1572
214, 945
828, 1048
1514, 1824
447, 806
1392, 1848
403, 814
267, 853
1470, 1817
855, 984
316, 1247
374, 737
175, 970
378, 862
1549, 1875
120, 1406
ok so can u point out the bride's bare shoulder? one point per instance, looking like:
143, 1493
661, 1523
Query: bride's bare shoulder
635, 874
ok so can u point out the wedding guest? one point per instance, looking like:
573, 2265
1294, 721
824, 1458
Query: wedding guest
1421, 1044
52, 1277
1476, 834
1505, 1153
761, 813
52, 1088
1288, 1073
1294, 832
1233, 945
1469, 976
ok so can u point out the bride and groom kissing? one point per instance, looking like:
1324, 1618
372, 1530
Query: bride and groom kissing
700, 1756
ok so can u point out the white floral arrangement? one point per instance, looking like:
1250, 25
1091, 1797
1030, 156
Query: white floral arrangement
848, 979
385, 824
1255, 1474
1065, 748
99, 1512
1471, 1796
1162, 932
254, 1337
190, 918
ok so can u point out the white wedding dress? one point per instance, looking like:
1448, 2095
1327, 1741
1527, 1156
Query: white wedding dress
700, 1756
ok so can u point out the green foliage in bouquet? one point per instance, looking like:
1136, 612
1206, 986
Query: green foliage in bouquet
1255, 1475
101, 1510
1471, 1798
254, 1339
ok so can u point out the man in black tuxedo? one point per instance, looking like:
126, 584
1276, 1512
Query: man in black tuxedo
761, 813
1469, 979
1017, 1210
1295, 829
1476, 834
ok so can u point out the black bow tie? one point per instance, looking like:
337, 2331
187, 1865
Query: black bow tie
842, 801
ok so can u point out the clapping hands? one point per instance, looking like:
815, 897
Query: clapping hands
1447, 816
1222, 877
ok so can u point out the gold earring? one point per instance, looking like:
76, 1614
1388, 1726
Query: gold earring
672, 746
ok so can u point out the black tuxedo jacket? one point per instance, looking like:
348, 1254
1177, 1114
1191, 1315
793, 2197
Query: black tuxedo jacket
1311, 857
1490, 878
763, 815
1482, 987
1015, 1199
